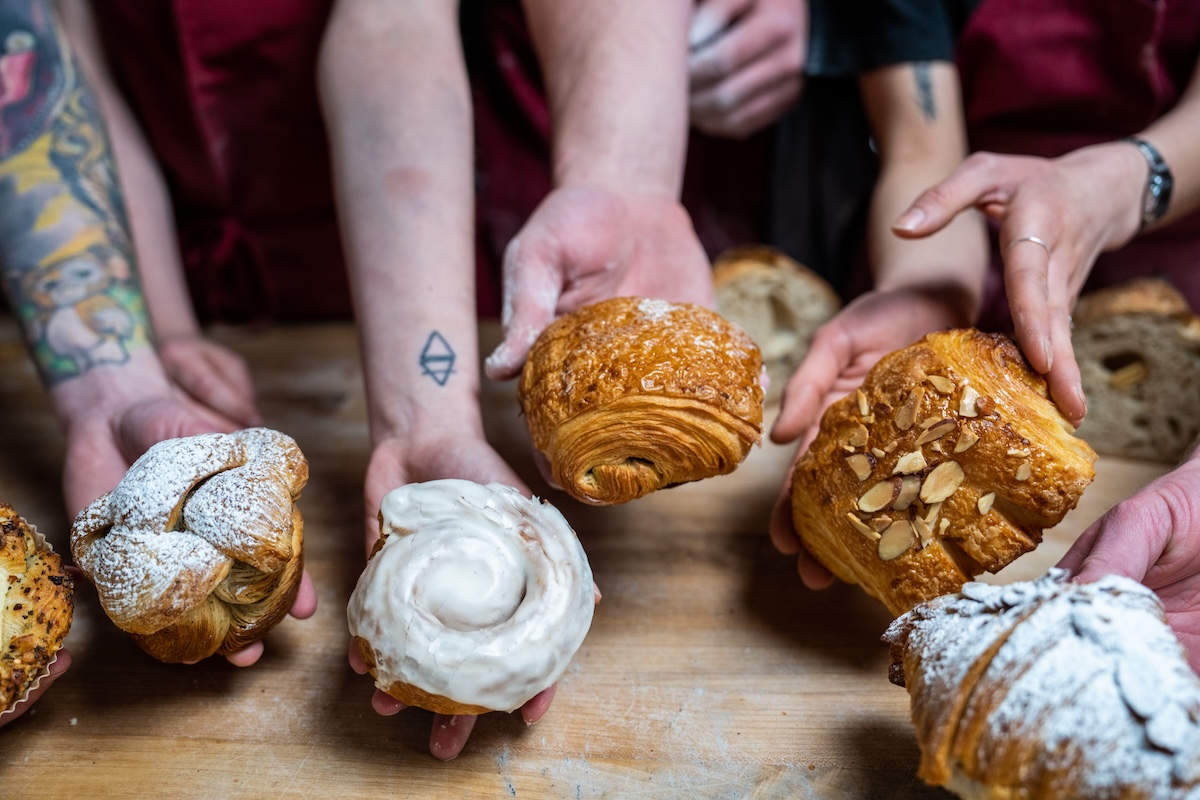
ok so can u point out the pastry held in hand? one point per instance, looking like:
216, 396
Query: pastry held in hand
949, 461
1050, 689
198, 549
36, 607
475, 599
631, 395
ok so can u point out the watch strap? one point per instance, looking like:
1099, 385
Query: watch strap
1156, 196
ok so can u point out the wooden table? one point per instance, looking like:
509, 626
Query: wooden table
709, 670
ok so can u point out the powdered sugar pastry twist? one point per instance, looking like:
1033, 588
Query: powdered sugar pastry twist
475, 599
198, 549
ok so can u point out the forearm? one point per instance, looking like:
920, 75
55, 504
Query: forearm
151, 220
65, 250
1174, 134
616, 77
397, 105
916, 114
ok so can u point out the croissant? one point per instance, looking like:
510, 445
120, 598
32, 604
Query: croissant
475, 599
949, 461
36, 611
198, 550
632, 395
1050, 689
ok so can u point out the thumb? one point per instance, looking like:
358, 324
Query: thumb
532, 287
1108, 548
937, 206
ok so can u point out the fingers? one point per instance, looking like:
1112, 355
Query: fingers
783, 534
1026, 271
831, 350
247, 656
732, 47
711, 18
812, 574
450, 734
385, 705
356, 660
744, 104
59, 665
214, 377
1125, 541
979, 180
531, 290
1066, 385
305, 604
538, 705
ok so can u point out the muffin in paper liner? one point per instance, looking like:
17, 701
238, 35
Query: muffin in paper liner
36, 608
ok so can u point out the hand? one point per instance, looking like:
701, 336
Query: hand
1152, 537
746, 65
584, 244
842, 352
213, 376
1079, 205
56, 669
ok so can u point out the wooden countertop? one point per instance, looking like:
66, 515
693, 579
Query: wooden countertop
709, 670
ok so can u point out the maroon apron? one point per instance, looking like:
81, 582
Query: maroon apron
1044, 77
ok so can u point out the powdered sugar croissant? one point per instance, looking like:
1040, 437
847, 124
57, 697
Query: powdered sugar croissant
631, 395
198, 549
1050, 689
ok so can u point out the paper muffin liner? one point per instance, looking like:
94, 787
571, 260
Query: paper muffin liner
41, 545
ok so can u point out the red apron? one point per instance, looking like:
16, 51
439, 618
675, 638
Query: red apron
1044, 77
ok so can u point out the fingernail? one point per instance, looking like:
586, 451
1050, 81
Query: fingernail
909, 220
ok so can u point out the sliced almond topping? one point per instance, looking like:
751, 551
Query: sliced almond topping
869, 419
910, 488
890, 446
937, 431
861, 465
858, 436
910, 463
967, 402
942, 384
932, 514
1019, 451
848, 448
896, 540
966, 441
929, 422
1023, 472
945, 523
862, 528
863, 408
875, 451
924, 532
879, 496
880, 522
985, 502
1129, 375
985, 405
942, 482
907, 414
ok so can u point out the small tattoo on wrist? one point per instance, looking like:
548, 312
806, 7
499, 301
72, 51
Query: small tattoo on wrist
437, 358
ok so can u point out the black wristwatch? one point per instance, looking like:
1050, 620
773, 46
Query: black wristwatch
1159, 182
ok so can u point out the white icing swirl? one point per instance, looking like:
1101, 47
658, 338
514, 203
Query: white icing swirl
478, 594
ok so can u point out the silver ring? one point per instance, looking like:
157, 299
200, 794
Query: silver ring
1033, 239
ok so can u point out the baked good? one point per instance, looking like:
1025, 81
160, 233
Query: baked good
36, 608
198, 550
779, 302
949, 461
475, 598
1138, 348
631, 395
1050, 689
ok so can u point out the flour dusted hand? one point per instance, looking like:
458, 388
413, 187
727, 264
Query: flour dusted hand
198, 550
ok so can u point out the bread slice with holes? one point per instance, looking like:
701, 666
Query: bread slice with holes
1138, 347
776, 300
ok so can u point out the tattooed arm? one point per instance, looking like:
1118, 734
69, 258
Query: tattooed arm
916, 118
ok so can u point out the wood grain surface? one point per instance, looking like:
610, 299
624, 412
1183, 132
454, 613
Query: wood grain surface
709, 670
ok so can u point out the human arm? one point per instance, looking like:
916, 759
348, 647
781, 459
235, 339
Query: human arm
745, 64
397, 106
211, 374
616, 81
916, 118
1152, 537
1077, 206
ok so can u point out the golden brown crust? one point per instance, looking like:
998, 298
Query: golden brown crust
631, 395
37, 606
411, 695
199, 549
882, 499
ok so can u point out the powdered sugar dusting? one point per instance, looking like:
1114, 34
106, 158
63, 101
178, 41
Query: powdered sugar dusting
1090, 692
653, 309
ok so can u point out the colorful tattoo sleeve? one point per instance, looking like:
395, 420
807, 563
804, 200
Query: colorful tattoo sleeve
66, 256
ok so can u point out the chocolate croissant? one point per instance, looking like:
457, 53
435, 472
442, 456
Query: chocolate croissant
198, 550
631, 395
1050, 689
948, 462
36, 607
